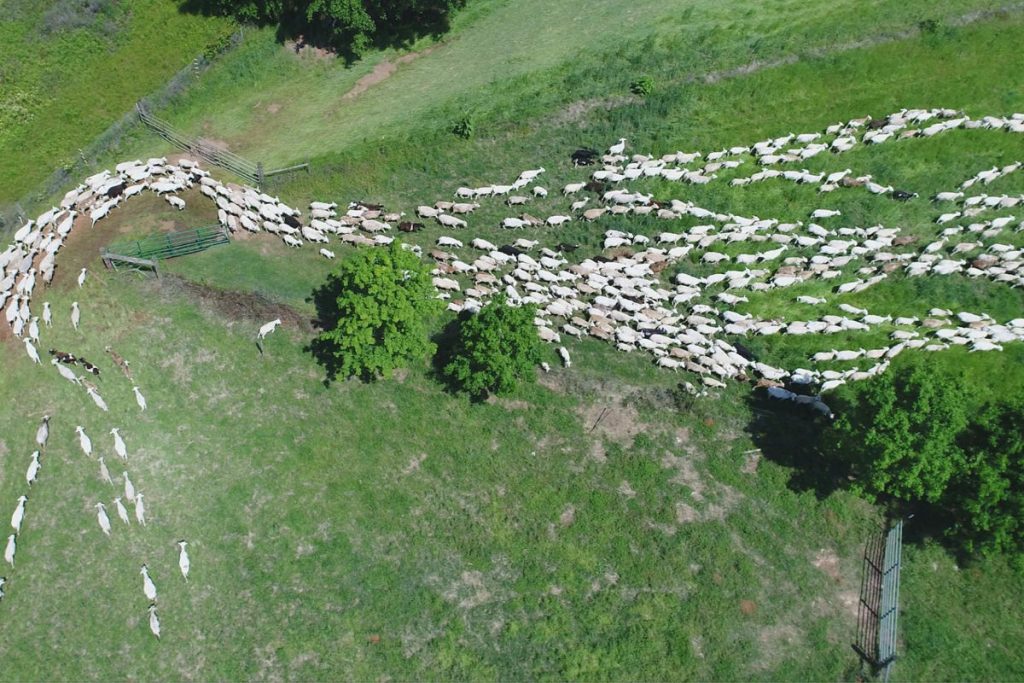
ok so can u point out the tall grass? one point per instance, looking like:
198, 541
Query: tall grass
67, 77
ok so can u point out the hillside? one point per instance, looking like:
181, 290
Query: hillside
69, 69
601, 523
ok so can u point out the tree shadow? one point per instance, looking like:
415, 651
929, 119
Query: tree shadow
791, 435
397, 32
446, 341
325, 299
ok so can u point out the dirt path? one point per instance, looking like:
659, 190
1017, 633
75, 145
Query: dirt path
383, 71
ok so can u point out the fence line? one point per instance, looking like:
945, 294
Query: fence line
240, 166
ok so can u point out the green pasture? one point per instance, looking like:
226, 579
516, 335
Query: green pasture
598, 524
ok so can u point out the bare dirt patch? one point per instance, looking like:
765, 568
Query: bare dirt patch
383, 71
216, 143
414, 464
577, 111
708, 499
232, 305
273, 107
751, 459
748, 607
508, 403
568, 516
776, 642
846, 596
616, 422
827, 561
301, 48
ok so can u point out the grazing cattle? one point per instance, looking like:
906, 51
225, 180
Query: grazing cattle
902, 195
409, 226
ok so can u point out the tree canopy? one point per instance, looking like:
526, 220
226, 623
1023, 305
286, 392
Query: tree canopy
349, 26
374, 311
495, 349
911, 435
900, 435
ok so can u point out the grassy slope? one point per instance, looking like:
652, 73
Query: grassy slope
309, 539
74, 83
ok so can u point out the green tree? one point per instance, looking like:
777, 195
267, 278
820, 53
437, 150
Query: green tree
374, 311
350, 26
495, 348
987, 497
899, 433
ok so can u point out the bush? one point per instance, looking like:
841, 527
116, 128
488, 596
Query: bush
495, 349
464, 127
900, 436
349, 26
374, 311
987, 497
642, 86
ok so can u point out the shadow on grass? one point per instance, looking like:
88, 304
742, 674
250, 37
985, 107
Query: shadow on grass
446, 340
398, 32
325, 299
792, 435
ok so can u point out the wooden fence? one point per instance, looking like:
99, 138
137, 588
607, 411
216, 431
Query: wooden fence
240, 166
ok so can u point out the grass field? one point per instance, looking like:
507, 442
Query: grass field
70, 69
586, 527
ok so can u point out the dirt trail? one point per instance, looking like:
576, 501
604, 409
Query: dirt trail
383, 71
232, 305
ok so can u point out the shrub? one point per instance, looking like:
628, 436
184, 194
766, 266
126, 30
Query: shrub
464, 127
374, 311
900, 436
987, 497
495, 349
349, 26
642, 86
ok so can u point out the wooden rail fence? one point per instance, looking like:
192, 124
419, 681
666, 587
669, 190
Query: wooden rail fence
240, 166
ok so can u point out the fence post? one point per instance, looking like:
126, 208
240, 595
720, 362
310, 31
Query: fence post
259, 175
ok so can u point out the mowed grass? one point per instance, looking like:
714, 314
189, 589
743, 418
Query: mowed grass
586, 527
69, 73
